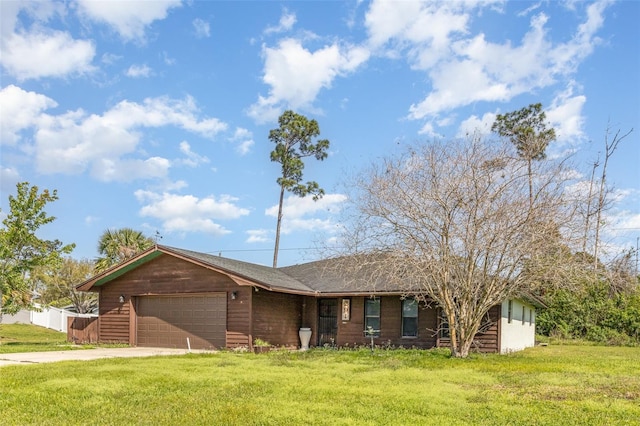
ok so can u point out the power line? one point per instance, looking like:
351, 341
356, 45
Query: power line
260, 250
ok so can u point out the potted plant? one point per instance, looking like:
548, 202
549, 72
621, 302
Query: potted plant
261, 346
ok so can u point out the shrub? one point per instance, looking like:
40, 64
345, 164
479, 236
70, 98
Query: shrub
594, 314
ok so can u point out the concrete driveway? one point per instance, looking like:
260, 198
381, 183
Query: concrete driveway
87, 354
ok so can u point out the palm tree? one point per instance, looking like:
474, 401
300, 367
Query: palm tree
118, 245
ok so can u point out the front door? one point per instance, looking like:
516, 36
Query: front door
327, 321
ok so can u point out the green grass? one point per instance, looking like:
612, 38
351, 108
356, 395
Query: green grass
30, 338
554, 385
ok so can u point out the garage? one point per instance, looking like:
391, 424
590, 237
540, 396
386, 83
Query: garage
167, 321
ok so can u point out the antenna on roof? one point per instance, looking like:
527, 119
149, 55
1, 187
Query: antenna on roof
157, 236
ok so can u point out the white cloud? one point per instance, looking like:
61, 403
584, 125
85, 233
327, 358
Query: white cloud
243, 139
127, 170
627, 220
422, 30
187, 213
201, 28
136, 71
90, 220
296, 75
46, 53
296, 212
464, 68
245, 147
258, 236
20, 111
32, 52
621, 223
128, 18
565, 114
9, 177
295, 206
287, 20
167, 59
485, 71
79, 141
475, 125
110, 58
192, 159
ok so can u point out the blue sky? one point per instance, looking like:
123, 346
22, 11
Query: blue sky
154, 115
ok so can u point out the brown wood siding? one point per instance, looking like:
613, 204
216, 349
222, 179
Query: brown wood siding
82, 330
277, 317
487, 342
352, 332
239, 318
310, 317
167, 275
114, 318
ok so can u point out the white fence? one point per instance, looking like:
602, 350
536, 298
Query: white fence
53, 318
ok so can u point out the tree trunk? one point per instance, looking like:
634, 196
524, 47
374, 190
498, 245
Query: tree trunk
462, 350
529, 172
589, 202
464, 341
275, 250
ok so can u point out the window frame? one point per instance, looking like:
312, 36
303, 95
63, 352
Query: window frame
444, 331
368, 316
403, 317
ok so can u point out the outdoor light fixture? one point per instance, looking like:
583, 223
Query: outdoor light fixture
121, 298
234, 295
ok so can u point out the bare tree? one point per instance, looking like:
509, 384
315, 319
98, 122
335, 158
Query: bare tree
457, 223
604, 190
588, 206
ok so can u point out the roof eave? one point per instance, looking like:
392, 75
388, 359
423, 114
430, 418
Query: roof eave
119, 269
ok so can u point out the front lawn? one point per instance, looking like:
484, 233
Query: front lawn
31, 338
555, 385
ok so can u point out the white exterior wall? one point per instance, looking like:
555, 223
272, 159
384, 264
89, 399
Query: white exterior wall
22, 317
520, 333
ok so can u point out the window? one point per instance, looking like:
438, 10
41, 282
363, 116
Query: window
444, 325
372, 315
510, 311
530, 316
523, 315
409, 318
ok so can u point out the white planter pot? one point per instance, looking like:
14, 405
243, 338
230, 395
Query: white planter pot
305, 337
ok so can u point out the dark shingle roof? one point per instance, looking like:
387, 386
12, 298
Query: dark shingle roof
329, 277
341, 276
269, 277
320, 276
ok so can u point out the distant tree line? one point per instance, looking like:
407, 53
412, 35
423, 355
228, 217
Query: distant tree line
603, 307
